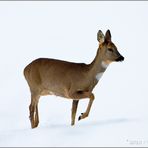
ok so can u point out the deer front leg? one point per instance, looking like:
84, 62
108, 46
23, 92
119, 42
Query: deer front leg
86, 113
80, 95
74, 110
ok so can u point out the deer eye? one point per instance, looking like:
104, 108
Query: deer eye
110, 49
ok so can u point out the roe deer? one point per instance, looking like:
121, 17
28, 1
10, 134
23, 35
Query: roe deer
69, 80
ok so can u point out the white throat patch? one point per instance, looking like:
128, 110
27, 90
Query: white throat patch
104, 65
99, 75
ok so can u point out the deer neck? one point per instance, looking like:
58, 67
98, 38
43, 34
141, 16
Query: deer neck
97, 67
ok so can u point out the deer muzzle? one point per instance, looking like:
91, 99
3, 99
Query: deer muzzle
120, 59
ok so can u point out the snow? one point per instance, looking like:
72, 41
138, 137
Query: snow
68, 31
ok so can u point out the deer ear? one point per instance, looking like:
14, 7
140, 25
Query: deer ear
100, 36
108, 36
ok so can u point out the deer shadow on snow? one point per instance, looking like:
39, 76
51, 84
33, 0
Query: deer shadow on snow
98, 123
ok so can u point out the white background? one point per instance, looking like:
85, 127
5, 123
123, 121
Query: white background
67, 31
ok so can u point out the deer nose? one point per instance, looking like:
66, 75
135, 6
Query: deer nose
120, 58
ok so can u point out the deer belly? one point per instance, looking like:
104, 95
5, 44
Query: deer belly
47, 92
57, 92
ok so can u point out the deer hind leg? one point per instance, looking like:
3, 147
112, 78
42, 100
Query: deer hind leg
86, 113
74, 111
33, 108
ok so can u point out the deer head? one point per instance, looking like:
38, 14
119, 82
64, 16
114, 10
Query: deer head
107, 49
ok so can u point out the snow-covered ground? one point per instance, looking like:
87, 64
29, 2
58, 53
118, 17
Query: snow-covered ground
67, 30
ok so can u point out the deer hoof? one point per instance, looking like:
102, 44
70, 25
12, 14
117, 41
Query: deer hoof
80, 117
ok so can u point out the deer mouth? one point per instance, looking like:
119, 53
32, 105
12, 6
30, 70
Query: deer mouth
120, 59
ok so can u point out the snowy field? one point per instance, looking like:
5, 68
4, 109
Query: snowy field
67, 31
